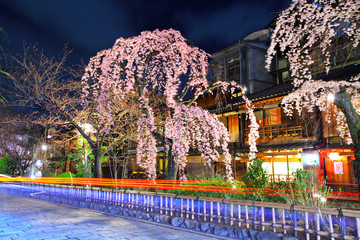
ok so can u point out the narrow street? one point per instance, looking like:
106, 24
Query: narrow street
23, 218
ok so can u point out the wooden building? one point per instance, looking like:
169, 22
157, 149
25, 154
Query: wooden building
285, 143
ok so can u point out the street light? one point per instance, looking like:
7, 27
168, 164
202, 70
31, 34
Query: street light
330, 97
44, 147
87, 128
334, 156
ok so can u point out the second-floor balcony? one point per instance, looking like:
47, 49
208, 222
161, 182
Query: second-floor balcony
279, 132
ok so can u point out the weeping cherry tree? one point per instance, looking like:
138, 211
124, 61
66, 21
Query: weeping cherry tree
159, 61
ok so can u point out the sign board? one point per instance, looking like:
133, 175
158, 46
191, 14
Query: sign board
338, 168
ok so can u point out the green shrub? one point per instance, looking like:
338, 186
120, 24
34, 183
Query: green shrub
255, 176
306, 190
66, 174
7, 166
77, 156
221, 183
57, 162
49, 174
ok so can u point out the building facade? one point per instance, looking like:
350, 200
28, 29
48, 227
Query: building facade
286, 143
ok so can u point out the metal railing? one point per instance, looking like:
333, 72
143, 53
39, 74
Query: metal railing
303, 222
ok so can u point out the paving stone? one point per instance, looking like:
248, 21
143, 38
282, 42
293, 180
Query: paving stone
190, 224
253, 233
221, 230
176, 221
5, 235
205, 226
267, 235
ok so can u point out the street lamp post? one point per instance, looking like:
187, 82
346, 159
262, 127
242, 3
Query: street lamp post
44, 147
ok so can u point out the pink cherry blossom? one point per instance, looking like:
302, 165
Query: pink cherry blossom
307, 26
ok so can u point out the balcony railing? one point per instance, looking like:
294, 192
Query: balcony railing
278, 132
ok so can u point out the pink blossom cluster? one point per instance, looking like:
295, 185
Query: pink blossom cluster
316, 93
253, 126
195, 127
155, 61
146, 149
306, 25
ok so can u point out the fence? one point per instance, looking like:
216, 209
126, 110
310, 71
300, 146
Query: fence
303, 222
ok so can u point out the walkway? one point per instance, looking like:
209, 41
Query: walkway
22, 218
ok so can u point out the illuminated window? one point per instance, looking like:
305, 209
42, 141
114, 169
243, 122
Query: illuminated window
233, 126
259, 117
272, 116
285, 76
281, 73
268, 117
282, 63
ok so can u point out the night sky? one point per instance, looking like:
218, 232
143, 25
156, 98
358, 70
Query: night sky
89, 26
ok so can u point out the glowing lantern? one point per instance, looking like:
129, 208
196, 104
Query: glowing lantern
330, 97
334, 156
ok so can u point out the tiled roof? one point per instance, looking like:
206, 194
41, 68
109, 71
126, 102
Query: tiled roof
341, 73
281, 146
275, 91
287, 87
336, 145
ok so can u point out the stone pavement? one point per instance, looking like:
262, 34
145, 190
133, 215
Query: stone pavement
23, 218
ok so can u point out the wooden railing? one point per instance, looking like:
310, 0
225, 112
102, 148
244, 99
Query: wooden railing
344, 187
301, 221
280, 131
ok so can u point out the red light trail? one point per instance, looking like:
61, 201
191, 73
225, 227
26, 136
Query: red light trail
190, 185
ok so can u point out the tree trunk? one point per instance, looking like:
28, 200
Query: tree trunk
18, 164
97, 164
22, 171
67, 165
343, 102
172, 166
